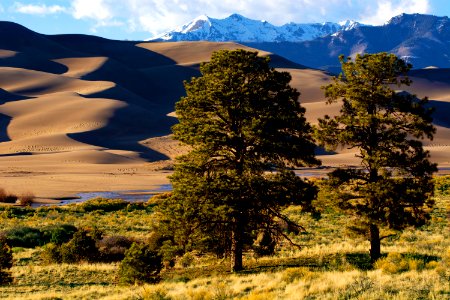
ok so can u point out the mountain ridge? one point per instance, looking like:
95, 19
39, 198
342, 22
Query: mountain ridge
423, 40
238, 28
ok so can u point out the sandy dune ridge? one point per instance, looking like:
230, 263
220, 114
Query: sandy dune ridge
82, 113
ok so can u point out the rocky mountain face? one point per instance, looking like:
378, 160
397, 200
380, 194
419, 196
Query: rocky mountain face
241, 29
422, 40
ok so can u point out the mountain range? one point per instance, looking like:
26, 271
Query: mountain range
422, 40
238, 28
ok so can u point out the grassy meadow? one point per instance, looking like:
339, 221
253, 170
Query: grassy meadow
333, 262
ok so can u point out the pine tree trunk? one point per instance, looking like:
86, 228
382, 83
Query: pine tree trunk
236, 248
375, 243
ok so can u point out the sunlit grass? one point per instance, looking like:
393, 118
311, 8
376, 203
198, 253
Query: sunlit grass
330, 265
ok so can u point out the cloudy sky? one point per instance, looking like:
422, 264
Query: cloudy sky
142, 19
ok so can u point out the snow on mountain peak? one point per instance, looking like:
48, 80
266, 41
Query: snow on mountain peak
196, 24
348, 24
241, 29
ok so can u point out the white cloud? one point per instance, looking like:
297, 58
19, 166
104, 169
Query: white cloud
99, 10
387, 9
42, 9
157, 16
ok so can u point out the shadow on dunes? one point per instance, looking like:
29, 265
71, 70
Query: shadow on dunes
130, 79
4, 119
18, 38
169, 80
441, 117
25, 61
432, 74
125, 52
126, 128
4, 122
7, 97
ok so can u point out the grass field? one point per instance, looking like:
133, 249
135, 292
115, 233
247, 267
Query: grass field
332, 264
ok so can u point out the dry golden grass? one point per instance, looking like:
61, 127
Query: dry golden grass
331, 265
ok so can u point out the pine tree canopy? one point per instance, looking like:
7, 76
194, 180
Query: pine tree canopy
393, 186
246, 129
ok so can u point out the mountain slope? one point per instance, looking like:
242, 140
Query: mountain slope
422, 40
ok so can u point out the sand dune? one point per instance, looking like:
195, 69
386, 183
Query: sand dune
82, 113
185, 53
80, 66
35, 83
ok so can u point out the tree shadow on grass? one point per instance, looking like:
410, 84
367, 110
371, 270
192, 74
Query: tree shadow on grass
360, 261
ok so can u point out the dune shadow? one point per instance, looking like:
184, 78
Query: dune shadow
148, 82
441, 116
26, 61
6, 96
126, 128
4, 122
125, 52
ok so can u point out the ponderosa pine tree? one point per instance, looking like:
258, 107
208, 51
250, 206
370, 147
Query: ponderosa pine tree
246, 128
393, 187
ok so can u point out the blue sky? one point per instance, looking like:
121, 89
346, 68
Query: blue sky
143, 19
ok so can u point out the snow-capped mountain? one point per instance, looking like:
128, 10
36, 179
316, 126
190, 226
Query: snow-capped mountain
241, 29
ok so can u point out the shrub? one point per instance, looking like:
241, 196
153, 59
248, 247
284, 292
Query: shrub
158, 198
103, 204
24, 236
7, 198
397, 263
113, 248
59, 234
442, 185
51, 253
187, 260
141, 264
6, 262
80, 248
26, 199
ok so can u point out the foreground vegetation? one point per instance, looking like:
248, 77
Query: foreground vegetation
333, 262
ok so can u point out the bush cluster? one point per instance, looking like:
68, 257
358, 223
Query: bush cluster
103, 204
442, 185
86, 245
6, 197
25, 199
395, 263
29, 237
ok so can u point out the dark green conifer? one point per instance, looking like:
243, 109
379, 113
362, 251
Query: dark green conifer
393, 186
242, 119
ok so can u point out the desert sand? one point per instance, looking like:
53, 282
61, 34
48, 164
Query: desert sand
82, 114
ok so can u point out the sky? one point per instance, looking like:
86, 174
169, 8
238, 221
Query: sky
144, 19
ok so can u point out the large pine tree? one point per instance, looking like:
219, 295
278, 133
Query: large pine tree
393, 186
246, 128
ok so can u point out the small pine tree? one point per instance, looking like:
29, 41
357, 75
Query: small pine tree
141, 265
393, 188
6, 262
